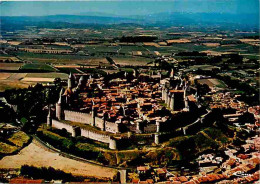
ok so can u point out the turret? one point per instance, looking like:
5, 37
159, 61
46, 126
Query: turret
163, 92
81, 81
172, 102
166, 95
112, 143
172, 73
158, 124
76, 131
156, 138
169, 99
59, 106
94, 111
138, 126
134, 73
122, 110
70, 81
49, 118
103, 128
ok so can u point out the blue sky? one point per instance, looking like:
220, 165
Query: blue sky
126, 8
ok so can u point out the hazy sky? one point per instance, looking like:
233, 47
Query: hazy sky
126, 8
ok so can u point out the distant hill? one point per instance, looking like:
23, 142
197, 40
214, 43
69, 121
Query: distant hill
246, 21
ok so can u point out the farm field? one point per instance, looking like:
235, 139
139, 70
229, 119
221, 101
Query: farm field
6, 57
38, 156
65, 59
44, 77
212, 83
4, 76
134, 61
14, 84
47, 75
23, 80
10, 66
37, 67
11, 80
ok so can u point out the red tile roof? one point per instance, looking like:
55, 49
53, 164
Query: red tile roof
25, 180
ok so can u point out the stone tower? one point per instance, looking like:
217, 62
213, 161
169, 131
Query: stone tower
104, 121
169, 99
112, 143
172, 102
158, 124
138, 126
81, 81
70, 81
156, 138
94, 111
166, 95
172, 73
163, 92
49, 118
59, 106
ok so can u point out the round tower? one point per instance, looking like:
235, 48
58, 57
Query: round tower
76, 131
59, 106
158, 124
93, 116
49, 118
166, 95
112, 143
138, 126
70, 81
163, 91
172, 102
81, 81
104, 121
156, 139
169, 99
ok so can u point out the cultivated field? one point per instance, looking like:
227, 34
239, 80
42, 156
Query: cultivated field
131, 60
13, 81
47, 75
4, 76
61, 59
212, 83
10, 66
38, 156
37, 67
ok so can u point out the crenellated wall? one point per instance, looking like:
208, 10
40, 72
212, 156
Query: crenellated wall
150, 128
95, 136
60, 125
85, 133
112, 127
87, 118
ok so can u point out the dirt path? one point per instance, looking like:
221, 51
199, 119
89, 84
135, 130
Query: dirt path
38, 156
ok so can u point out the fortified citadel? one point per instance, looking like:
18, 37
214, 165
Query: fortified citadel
120, 108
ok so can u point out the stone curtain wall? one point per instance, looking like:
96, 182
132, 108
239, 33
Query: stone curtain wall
80, 117
60, 125
99, 122
86, 118
85, 133
150, 128
95, 136
112, 127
